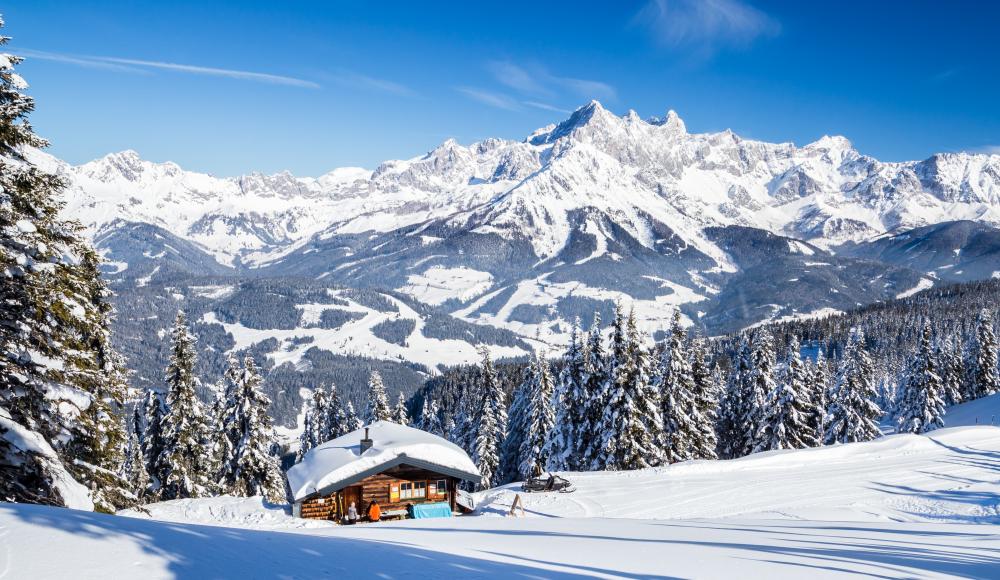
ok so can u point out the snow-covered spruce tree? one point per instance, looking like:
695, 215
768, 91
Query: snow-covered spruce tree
134, 467
982, 362
184, 463
377, 408
61, 382
952, 371
818, 387
785, 421
518, 415
852, 414
588, 439
218, 447
152, 439
336, 419
254, 470
399, 413
706, 401
351, 420
921, 406
430, 418
759, 384
631, 426
673, 380
491, 426
570, 402
540, 420
734, 439
315, 423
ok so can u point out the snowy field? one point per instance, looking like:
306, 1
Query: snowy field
906, 506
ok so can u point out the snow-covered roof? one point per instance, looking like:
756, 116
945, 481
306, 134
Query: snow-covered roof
339, 463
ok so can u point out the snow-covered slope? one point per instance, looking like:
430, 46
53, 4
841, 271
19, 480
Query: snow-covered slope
526, 235
985, 411
42, 542
948, 475
906, 506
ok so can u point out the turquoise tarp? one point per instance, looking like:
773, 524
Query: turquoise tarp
431, 510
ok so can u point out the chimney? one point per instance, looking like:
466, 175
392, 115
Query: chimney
366, 443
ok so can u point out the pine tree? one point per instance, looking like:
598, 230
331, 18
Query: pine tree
984, 379
254, 470
540, 420
152, 440
351, 420
571, 402
818, 386
340, 418
785, 421
134, 467
949, 356
430, 418
492, 424
378, 401
62, 384
400, 414
588, 438
852, 414
518, 416
183, 465
759, 385
631, 427
706, 401
734, 437
921, 405
674, 381
316, 423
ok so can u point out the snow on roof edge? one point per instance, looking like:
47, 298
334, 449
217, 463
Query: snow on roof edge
339, 462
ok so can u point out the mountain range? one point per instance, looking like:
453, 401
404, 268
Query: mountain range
527, 235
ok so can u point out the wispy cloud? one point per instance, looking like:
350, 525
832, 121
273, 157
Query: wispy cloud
944, 75
987, 149
705, 25
138, 65
490, 98
535, 80
364, 82
546, 107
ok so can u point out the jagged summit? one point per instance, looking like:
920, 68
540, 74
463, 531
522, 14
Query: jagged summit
627, 168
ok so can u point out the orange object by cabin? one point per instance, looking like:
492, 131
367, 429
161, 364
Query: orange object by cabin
374, 513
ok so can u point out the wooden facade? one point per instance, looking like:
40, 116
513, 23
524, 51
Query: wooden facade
394, 489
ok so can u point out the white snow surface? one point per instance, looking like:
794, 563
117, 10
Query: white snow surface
438, 284
949, 475
358, 337
923, 284
906, 506
341, 458
227, 511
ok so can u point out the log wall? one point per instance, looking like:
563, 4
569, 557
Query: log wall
377, 487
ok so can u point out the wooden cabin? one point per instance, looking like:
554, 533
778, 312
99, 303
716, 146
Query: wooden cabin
404, 469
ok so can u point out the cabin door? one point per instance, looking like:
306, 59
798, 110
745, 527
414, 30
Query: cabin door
353, 493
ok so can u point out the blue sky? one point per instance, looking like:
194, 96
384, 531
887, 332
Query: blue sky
230, 87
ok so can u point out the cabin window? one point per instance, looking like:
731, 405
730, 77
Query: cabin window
405, 490
439, 487
419, 489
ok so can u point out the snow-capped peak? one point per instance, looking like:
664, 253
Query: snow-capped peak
672, 122
824, 192
830, 143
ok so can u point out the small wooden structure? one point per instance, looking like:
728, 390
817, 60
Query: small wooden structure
395, 465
